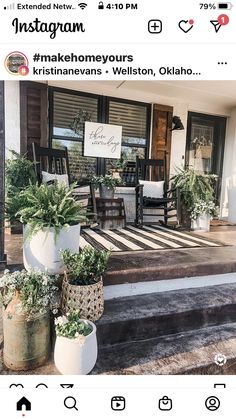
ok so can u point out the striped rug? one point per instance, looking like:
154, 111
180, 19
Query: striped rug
136, 239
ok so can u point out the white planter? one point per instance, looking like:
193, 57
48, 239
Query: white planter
202, 223
72, 358
43, 252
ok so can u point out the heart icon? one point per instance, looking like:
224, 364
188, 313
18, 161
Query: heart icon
186, 25
220, 360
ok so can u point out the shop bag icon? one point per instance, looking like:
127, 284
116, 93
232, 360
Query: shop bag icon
165, 403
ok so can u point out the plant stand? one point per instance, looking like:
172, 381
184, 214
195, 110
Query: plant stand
111, 213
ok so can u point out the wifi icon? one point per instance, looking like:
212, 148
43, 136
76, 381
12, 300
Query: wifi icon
82, 5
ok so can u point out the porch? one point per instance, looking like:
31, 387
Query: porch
169, 311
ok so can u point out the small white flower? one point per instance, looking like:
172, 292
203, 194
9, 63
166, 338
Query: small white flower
81, 340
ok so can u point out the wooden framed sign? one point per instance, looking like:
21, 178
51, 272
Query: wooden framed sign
102, 140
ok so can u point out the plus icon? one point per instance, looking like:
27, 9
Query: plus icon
155, 26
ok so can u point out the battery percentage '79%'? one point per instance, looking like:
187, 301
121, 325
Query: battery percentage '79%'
120, 6
207, 6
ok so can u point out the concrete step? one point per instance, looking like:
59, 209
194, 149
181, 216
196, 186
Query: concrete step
191, 352
169, 264
153, 315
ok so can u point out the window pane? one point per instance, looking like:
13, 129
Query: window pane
80, 167
128, 173
66, 107
200, 154
132, 118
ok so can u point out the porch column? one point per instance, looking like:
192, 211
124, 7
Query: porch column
228, 195
2, 174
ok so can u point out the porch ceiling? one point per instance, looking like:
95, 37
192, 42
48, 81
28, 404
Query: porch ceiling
221, 93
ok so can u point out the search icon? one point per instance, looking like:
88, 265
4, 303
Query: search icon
70, 403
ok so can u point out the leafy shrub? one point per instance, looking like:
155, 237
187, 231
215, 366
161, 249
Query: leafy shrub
72, 327
86, 267
109, 181
34, 288
20, 173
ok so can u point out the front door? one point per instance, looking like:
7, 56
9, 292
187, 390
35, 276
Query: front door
205, 145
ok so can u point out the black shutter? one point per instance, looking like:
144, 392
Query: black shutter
33, 115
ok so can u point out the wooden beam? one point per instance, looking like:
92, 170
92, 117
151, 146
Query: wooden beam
2, 175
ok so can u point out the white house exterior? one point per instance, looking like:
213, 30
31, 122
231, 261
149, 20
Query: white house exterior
208, 98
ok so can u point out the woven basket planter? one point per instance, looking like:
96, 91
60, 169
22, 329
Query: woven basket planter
88, 299
204, 152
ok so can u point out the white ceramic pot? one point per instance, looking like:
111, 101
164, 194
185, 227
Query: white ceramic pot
73, 358
43, 252
202, 223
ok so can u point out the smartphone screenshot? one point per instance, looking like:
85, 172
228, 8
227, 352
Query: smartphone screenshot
117, 209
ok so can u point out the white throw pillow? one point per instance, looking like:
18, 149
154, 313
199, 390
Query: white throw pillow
152, 189
61, 179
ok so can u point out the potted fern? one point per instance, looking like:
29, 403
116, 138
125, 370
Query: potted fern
19, 174
51, 218
82, 288
197, 197
76, 344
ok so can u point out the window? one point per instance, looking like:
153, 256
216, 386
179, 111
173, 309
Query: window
70, 109
134, 121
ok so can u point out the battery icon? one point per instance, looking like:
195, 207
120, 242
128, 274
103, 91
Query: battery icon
225, 6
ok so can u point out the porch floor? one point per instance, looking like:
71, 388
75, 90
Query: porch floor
186, 352
155, 265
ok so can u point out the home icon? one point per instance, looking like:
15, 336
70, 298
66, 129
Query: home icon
23, 402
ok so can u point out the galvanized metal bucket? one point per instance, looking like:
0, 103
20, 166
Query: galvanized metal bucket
26, 342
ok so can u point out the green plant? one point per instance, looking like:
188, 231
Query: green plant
86, 267
45, 206
19, 171
109, 181
35, 290
203, 207
19, 174
194, 187
121, 163
72, 327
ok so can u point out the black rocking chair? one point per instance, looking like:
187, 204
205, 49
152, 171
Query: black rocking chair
168, 205
56, 161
